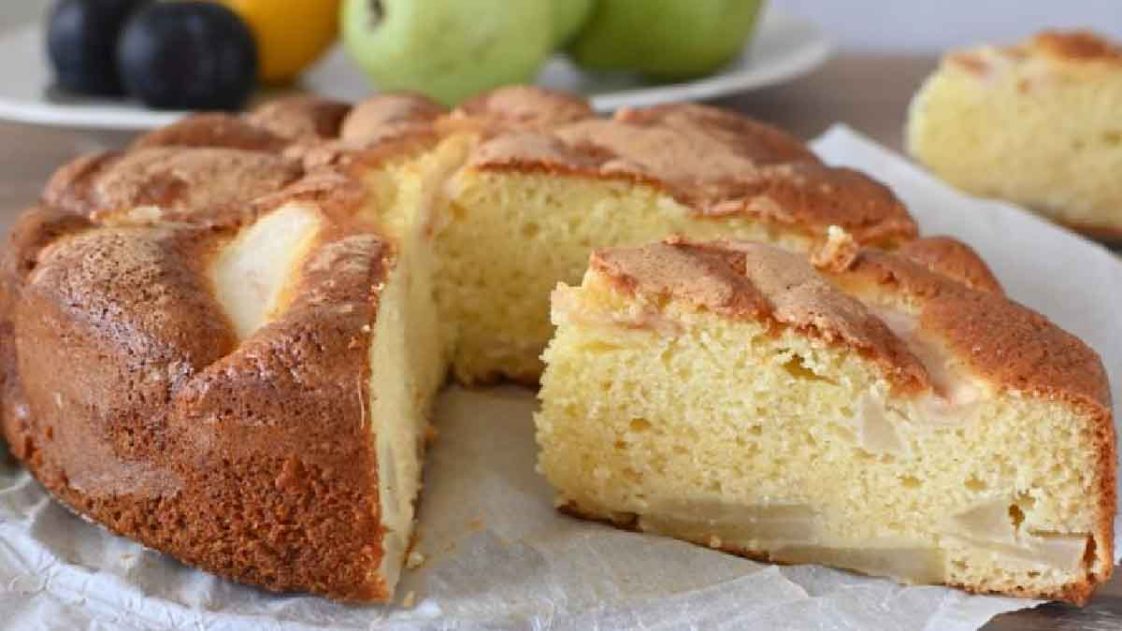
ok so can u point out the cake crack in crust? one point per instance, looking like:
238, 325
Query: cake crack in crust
873, 414
224, 341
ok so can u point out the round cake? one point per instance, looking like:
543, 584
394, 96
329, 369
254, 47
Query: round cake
223, 342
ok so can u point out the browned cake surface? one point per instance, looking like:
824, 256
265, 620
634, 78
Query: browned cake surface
135, 405
213, 130
127, 394
1077, 46
300, 117
953, 258
388, 114
714, 162
1005, 343
181, 181
520, 108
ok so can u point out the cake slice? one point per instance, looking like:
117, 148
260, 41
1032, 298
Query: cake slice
1039, 124
892, 414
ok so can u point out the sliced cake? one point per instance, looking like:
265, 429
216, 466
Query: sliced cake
528, 207
1039, 124
223, 342
880, 413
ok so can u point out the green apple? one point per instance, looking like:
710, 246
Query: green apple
666, 39
448, 49
568, 18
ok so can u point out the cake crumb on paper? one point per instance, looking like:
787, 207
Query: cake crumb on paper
415, 560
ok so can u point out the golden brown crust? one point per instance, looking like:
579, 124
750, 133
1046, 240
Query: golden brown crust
300, 117
251, 460
1076, 46
335, 194
287, 411
758, 142
1075, 51
753, 281
718, 164
952, 258
400, 141
1001, 342
1110, 235
387, 115
183, 182
34, 229
521, 108
213, 130
69, 188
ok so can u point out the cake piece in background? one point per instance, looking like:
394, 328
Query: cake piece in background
875, 413
1038, 124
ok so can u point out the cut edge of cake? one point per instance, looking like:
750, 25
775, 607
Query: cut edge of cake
729, 394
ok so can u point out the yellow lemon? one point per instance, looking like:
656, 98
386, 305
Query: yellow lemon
291, 34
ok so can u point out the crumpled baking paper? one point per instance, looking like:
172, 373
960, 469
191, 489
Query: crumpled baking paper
497, 555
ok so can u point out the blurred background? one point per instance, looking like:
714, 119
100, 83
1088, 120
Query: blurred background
933, 25
919, 25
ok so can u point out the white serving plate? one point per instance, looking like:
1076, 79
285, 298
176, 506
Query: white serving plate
784, 48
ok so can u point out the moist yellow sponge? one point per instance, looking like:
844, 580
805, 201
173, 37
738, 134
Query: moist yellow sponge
876, 416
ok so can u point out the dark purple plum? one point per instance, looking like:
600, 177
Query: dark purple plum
82, 40
188, 56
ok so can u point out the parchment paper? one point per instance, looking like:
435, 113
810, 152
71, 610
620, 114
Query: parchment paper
498, 556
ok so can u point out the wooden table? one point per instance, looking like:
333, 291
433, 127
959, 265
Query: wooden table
870, 93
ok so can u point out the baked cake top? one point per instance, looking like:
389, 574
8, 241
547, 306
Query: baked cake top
716, 163
185, 182
852, 302
1076, 51
1075, 46
524, 108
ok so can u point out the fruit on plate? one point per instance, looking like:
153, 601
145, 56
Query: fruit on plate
188, 55
568, 18
666, 39
82, 40
448, 49
291, 34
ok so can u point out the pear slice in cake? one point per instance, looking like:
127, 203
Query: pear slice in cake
892, 414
